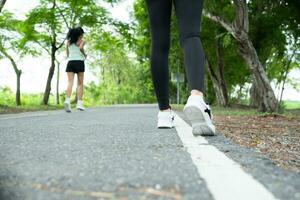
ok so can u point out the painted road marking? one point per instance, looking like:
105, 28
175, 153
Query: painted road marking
225, 179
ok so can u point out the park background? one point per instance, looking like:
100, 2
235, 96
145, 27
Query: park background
118, 44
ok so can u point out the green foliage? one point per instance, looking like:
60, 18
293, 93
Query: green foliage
7, 22
10, 29
120, 77
7, 98
275, 32
47, 24
141, 31
227, 40
224, 8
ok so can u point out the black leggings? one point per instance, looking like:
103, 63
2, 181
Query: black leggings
188, 13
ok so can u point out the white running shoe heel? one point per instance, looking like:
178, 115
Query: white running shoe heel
200, 116
67, 107
80, 106
165, 119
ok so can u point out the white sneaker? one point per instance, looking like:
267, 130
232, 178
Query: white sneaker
67, 106
165, 119
80, 106
200, 116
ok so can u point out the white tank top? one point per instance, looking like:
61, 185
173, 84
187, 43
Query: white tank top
75, 53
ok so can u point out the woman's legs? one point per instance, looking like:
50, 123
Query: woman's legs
69, 91
188, 13
70, 84
160, 15
197, 111
80, 79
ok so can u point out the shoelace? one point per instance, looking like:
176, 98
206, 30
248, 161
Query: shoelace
208, 112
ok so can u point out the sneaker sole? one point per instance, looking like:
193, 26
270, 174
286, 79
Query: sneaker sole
80, 109
67, 108
165, 125
199, 125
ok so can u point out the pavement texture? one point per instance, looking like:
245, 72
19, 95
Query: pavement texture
113, 153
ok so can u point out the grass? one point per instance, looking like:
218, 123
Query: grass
4, 109
30, 102
292, 104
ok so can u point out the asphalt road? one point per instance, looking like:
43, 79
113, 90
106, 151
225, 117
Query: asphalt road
114, 153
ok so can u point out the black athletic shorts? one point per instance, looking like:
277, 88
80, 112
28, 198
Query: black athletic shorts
75, 66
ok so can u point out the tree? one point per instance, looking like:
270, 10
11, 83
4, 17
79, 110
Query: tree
274, 46
57, 82
118, 72
2, 2
239, 29
41, 27
218, 76
17, 71
47, 25
9, 45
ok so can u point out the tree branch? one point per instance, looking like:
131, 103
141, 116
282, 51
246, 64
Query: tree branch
211, 71
64, 18
43, 47
2, 2
241, 15
286, 73
3, 51
61, 44
73, 15
220, 21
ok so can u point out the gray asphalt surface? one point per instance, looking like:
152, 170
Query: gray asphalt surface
105, 153
112, 153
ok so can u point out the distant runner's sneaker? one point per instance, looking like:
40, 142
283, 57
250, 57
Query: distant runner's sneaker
200, 116
80, 106
165, 119
67, 106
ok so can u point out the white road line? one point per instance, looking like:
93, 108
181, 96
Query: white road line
225, 179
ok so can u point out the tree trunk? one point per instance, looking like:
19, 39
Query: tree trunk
254, 96
240, 93
285, 73
18, 74
52, 67
50, 76
221, 65
18, 92
2, 2
267, 101
216, 84
57, 84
